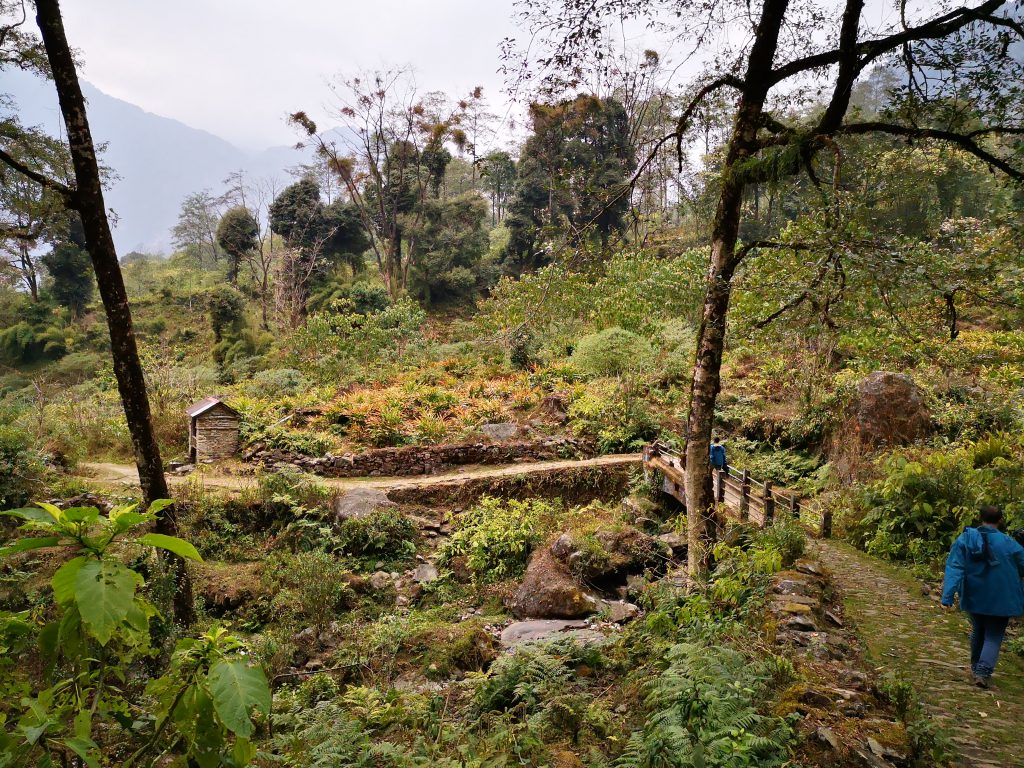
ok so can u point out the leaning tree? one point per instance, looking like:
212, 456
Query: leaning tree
960, 81
50, 55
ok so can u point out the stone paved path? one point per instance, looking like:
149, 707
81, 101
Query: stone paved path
907, 632
127, 475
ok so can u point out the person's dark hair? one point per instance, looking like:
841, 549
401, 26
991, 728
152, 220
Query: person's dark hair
715, 440
991, 514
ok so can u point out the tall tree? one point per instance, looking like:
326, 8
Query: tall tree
962, 85
86, 197
318, 236
498, 177
391, 159
256, 197
29, 211
71, 280
237, 236
196, 230
573, 174
452, 240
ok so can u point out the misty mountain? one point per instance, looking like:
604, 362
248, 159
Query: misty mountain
158, 160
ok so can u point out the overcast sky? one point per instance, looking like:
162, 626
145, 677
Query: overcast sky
236, 68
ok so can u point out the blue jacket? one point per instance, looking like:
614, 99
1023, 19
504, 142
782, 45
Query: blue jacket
988, 579
717, 454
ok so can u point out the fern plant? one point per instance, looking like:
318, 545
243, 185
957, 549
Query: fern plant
703, 714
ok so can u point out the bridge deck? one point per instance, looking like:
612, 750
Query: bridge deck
737, 492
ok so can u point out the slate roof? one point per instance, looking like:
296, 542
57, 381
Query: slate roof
201, 407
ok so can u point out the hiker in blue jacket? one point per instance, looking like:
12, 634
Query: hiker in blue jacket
717, 454
985, 567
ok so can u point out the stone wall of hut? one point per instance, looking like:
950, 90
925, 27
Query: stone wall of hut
216, 434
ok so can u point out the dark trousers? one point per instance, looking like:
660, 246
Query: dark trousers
986, 639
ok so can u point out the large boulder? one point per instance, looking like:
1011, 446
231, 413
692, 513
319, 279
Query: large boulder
500, 432
546, 629
548, 591
606, 557
359, 502
890, 409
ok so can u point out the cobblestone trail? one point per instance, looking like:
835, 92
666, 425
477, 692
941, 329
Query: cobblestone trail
908, 632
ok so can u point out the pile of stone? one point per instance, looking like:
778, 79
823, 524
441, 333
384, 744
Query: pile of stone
810, 627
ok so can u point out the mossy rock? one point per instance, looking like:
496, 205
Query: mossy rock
453, 648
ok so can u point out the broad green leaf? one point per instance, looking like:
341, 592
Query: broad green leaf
180, 547
48, 644
104, 593
237, 688
127, 520
69, 633
30, 513
83, 724
55, 512
85, 749
33, 732
123, 509
63, 581
24, 545
86, 515
159, 506
208, 736
244, 751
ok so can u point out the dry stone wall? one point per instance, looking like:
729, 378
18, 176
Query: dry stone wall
419, 460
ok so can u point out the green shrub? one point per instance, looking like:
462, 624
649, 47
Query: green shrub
284, 492
612, 352
293, 440
522, 351
21, 469
496, 537
79, 366
786, 537
782, 466
383, 532
614, 415
533, 674
925, 497
309, 586
278, 382
918, 507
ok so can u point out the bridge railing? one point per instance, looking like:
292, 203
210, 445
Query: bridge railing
737, 490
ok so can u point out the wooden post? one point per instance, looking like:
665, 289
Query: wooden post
745, 496
826, 523
794, 506
769, 504
722, 475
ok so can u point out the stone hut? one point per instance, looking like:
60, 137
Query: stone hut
212, 430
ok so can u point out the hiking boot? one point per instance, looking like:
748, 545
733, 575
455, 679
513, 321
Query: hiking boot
981, 681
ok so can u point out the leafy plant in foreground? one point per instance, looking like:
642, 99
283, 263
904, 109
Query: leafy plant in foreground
91, 648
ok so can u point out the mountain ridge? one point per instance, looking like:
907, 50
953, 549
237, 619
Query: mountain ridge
157, 160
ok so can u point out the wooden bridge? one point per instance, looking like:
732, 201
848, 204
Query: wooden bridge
737, 492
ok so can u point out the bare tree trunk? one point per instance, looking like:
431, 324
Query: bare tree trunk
88, 201
707, 379
28, 270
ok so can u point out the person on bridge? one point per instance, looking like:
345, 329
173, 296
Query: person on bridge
717, 454
985, 567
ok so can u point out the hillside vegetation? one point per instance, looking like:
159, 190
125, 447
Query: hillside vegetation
829, 280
